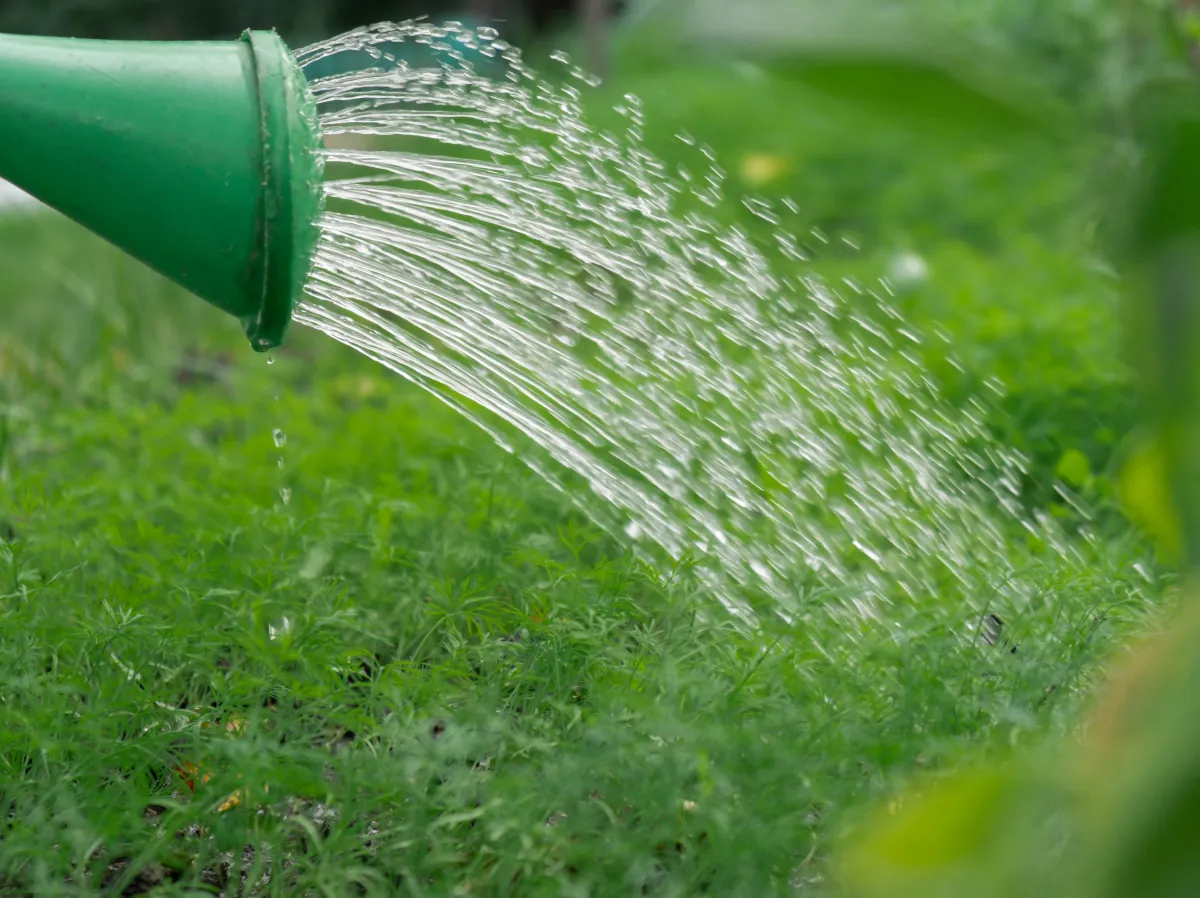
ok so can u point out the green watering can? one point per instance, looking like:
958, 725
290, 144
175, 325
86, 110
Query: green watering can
200, 159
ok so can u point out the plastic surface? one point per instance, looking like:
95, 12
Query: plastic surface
199, 159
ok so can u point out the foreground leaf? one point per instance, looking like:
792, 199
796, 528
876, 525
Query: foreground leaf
976, 833
1161, 253
886, 64
1146, 496
1141, 768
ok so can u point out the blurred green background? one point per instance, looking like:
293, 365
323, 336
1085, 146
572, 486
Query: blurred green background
297, 20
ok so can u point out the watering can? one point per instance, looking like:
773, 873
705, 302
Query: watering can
199, 159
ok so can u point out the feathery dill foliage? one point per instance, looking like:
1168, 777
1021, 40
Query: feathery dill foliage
425, 670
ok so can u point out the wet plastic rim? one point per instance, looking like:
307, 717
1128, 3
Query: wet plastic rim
291, 197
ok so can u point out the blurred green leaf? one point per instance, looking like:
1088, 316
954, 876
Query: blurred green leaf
1161, 251
1165, 207
1145, 494
959, 836
883, 62
1074, 469
1141, 769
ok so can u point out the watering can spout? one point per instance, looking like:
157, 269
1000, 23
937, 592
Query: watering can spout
200, 159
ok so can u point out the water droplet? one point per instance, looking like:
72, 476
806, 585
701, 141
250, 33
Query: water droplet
285, 494
907, 270
533, 156
270, 359
280, 438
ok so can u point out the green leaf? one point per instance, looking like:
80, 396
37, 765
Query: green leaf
1146, 496
1074, 469
1164, 208
1142, 762
887, 64
1161, 253
957, 837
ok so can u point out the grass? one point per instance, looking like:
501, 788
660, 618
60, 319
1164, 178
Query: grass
424, 673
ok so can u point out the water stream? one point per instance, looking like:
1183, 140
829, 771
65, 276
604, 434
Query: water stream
693, 386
